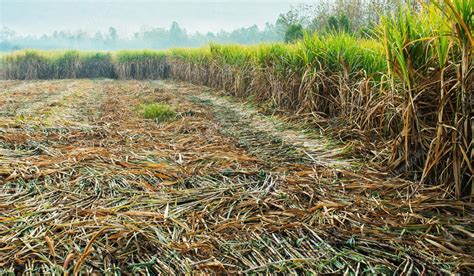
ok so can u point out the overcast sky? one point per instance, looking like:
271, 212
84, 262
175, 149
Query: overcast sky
40, 16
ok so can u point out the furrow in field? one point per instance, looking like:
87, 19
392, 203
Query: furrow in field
217, 189
262, 135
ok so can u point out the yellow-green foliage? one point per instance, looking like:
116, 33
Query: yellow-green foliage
159, 112
125, 56
330, 52
141, 64
34, 64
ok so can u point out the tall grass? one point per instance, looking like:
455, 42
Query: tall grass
430, 58
33, 64
145, 64
411, 86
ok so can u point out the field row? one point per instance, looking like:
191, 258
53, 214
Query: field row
88, 185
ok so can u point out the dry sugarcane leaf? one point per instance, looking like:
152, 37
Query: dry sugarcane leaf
50, 243
321, 205
86, 251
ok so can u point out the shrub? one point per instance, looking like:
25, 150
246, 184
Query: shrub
294, 33
158, 112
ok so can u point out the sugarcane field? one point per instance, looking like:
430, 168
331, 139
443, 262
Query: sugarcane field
337, 140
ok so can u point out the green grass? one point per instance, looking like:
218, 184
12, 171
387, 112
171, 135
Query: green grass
35, 64
125, 56
158, 112
331, 53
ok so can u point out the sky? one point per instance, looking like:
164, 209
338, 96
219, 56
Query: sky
29, 17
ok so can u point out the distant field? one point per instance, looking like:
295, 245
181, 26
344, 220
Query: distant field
87, 184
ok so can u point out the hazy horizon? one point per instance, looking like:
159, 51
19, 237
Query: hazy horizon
29, 17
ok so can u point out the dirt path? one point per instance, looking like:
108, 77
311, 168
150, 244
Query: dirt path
265, 136
87, 184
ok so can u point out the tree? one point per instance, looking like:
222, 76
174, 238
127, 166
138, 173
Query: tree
288, 19
333, 25
339, 24
351, 15
293, 33
271, 33
177, 35
99, 37
7, 33
344, 24
112, 35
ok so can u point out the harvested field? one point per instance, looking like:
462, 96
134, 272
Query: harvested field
87, 185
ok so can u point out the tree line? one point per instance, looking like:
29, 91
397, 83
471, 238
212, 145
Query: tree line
153, 38
357, 17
